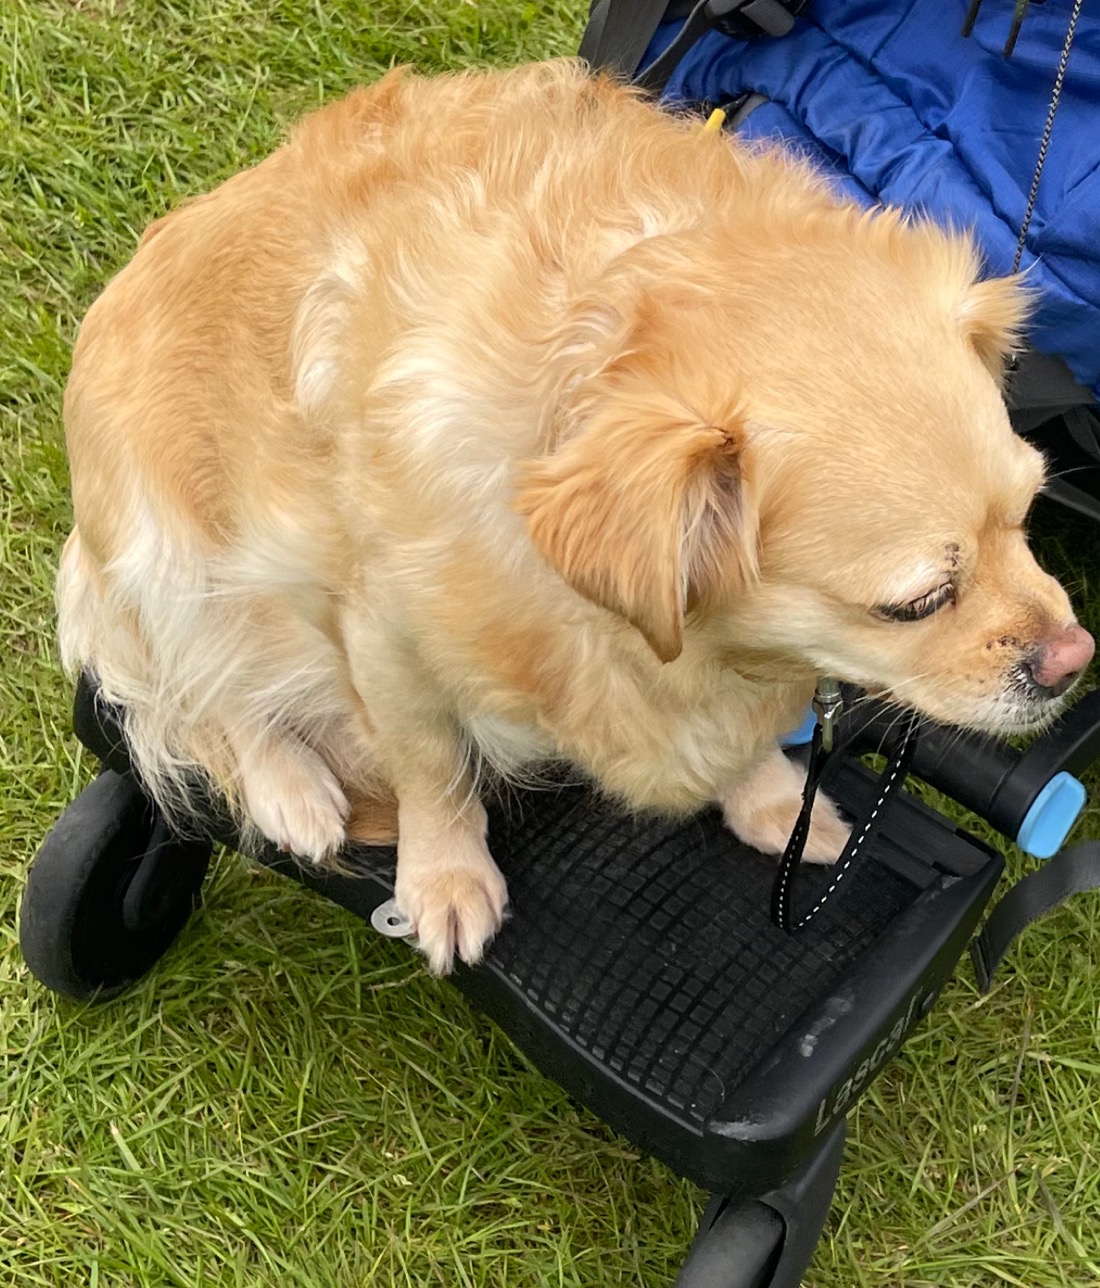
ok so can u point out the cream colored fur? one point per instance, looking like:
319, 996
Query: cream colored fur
501, 418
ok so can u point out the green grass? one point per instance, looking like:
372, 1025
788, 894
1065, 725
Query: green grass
289, 1099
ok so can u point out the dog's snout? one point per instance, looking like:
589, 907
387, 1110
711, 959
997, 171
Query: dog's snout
1060, 659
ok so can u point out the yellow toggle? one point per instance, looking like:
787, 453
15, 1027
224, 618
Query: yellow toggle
715, 121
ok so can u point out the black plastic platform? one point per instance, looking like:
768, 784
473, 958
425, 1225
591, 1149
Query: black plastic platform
640, 969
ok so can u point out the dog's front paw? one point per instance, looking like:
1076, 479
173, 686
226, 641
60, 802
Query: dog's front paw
828, 834
453, 907
763, 808
293, 797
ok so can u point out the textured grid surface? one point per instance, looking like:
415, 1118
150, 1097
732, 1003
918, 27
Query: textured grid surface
650, 945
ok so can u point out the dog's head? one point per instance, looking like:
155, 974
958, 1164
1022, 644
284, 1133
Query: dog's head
801, 456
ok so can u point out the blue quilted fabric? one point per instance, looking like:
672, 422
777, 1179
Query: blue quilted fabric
903, 109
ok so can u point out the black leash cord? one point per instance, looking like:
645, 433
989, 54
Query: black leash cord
893, 776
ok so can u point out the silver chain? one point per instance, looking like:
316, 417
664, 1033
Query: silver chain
1048, 129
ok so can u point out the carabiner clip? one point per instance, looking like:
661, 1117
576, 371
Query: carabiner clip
828, 703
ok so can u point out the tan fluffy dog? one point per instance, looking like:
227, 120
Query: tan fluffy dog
502, 418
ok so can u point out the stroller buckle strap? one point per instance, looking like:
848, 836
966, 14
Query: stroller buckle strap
771, 17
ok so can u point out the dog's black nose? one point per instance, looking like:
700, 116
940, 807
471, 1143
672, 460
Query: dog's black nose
1059, 660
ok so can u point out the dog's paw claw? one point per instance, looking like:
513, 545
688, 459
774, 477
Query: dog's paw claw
455, 910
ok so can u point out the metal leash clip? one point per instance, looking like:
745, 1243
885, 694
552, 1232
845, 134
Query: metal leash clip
828, 703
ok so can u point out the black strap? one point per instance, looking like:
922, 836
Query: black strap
656, 75
1083, 426
619, 32
863, 833
1070, 872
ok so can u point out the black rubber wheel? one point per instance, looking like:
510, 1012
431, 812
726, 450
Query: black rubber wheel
739, 1247
110, 890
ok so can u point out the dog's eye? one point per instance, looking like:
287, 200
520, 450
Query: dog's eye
917, 609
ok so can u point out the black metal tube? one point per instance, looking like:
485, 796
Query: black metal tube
986, 774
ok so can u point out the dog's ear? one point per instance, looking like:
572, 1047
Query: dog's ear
993, 314
646, 510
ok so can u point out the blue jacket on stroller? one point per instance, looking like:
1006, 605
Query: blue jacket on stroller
906, 110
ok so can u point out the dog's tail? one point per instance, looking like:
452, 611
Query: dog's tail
180, 755
209, 677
